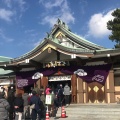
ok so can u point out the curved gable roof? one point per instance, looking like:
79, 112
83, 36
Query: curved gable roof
61, 26
84, 46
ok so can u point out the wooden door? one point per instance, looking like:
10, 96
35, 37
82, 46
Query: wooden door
96, 93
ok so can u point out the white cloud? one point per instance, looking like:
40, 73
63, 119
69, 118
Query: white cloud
55, 3
29, 31
98, 24
21, 4
4, 37
83, 5
18, 6
6, 14
63, 12
49, 19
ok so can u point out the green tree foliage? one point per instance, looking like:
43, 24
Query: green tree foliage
114, 26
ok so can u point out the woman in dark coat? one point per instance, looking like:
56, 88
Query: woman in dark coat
10, 99
18, 106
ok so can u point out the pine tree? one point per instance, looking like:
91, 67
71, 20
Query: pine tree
114, 26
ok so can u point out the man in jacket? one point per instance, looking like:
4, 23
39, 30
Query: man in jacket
59, 93
35, 99
67, 94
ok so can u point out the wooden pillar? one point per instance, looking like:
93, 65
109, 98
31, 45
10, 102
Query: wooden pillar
44, 82
85, 92
80, 95
19, 91
38, 83
74, 88
109, 88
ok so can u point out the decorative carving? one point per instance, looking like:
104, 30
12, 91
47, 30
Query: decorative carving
49, 50
55, 63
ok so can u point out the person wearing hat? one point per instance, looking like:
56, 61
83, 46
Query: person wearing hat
4, 107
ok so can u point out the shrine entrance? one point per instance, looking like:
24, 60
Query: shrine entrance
96, 93
53, 81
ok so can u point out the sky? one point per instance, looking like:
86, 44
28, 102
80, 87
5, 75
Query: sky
24, 23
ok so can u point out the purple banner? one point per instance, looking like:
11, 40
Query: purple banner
97, 73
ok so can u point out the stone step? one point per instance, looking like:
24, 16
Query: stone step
93, 112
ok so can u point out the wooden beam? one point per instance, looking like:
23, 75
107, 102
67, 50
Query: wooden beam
36, 64
14, 68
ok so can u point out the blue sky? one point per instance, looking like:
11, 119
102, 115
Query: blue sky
24, 23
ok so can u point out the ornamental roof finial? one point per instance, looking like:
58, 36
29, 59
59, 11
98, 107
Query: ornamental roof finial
59, 21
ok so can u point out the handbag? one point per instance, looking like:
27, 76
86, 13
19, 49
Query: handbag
32, 106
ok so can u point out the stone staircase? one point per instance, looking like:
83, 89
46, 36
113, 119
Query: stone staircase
91, 112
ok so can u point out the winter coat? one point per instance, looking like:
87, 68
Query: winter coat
37, 90
4, 107
66, 90
25, 97
35, 100
42, 97
41, 90
10, 100
20, 103
60, 92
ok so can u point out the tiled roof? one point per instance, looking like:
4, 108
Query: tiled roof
4, 59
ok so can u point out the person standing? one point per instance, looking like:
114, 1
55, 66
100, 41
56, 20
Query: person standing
4, 107
37, 89
67, 94
41, 90
59, 93
25, 97
43, 106
10, 99
18, 106
35, 100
